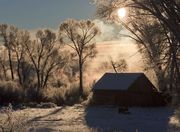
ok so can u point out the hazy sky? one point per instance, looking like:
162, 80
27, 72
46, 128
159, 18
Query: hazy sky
32, 14
35, 14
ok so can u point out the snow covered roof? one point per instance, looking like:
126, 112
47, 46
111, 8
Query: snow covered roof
116, 81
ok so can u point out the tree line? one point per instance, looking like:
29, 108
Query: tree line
34, 62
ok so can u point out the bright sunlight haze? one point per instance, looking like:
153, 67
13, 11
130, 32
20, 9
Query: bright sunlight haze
121, 12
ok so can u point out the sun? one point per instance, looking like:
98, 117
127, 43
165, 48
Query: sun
121, 12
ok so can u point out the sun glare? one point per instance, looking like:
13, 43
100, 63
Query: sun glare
121, 12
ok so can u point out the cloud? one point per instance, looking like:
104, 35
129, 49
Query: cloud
109, 31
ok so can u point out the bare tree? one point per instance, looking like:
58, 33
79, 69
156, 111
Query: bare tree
79, 35
117, 65
3, 64
19, 39
154, 48
45, 55
7, 33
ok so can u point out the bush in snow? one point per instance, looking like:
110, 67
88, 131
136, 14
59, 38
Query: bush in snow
10, 92
13, 122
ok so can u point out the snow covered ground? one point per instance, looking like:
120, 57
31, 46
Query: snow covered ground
139, 119
102, 118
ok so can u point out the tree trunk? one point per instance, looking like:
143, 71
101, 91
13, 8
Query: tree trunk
160, 78
171, 77
19, 69
4, 71
23, 71
114, 67
10, 64
175, 74
19, 73
80, 76
38, 85
176, 78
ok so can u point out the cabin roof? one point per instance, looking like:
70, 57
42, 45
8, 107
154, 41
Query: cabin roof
116, 81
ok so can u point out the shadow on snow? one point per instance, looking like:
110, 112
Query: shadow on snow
139, 119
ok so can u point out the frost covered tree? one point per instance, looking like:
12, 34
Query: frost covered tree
79, 36
155, 25
7, 34
46, 57
117, 65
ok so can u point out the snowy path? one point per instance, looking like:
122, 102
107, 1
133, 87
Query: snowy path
77, 118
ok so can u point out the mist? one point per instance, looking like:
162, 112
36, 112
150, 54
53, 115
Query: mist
108, 31
110, 43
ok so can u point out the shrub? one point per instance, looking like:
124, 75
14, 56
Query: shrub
10, 92
32, 94
87, 91
54, 95
13, 122
72, 95
89, 100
